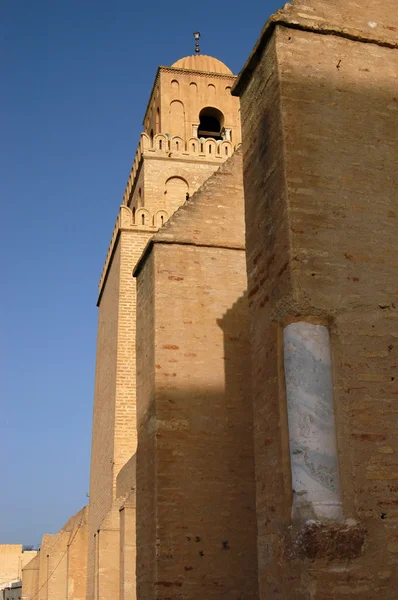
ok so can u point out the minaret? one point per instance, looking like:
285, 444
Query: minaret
191, 126
191, 120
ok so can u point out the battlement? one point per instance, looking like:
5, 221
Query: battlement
162, 146
139, 220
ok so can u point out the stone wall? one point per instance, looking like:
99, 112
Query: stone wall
194, 403
59, 570
114, 417
30, 579
126, 493
319, 118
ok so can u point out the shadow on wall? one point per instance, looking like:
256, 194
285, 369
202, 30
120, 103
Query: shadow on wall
204, 502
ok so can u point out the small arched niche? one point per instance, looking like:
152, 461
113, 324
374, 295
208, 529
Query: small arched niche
175, 85
175, 193
160, 218
211, 123
142, 217
177, 118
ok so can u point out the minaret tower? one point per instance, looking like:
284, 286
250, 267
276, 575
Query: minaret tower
191, 126
191, 120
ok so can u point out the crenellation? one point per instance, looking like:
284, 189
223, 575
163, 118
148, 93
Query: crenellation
164, 145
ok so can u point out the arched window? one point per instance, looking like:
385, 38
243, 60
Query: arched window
211, 123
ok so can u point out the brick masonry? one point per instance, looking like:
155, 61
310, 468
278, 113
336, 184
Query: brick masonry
190, 485
319, 118
193, 393
59, 569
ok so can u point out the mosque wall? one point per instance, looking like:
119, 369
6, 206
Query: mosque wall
196, 533
30, 579
245, 481
319, 132
60, 567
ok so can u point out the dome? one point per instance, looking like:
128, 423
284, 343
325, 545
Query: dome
201, 62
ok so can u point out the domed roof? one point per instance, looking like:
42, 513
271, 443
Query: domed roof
201, 62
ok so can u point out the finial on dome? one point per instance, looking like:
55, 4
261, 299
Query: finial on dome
196, 35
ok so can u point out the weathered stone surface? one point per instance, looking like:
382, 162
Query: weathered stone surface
320, 130
171, 163
312, 432
195, 464
327, 541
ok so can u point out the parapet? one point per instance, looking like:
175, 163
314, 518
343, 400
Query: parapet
162, 145
139, 220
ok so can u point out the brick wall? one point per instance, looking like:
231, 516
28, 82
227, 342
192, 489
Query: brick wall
195, 449
320, 129
126, 494
158, 170
62, 563
114, 417
128, 548
146, 459
77, 557
30, 579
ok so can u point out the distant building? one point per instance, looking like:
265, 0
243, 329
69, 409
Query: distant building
12, 591
13, 559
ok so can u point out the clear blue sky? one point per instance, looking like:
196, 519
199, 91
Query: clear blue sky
76, 77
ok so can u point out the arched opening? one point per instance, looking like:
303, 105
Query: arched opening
211, 123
